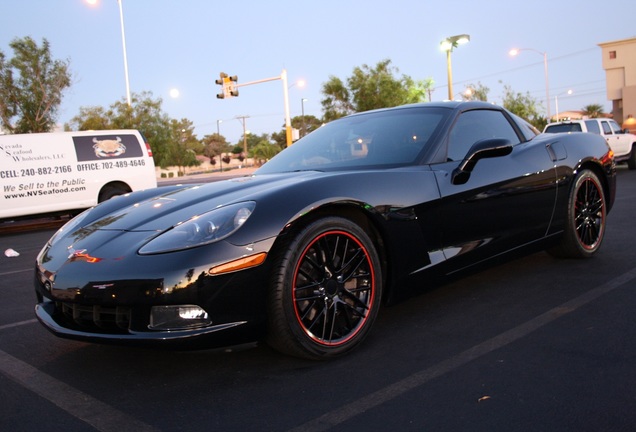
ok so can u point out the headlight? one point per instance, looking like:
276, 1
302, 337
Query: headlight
180, 317
202, 229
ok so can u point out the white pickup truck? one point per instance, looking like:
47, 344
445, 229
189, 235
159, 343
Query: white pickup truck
622, 143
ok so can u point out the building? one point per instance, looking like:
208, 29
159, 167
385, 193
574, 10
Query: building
619, 63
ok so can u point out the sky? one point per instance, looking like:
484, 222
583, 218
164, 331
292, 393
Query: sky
185, 44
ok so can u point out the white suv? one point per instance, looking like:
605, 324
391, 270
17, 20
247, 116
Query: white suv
622, 143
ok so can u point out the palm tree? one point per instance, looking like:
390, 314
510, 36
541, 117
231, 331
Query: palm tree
593, 110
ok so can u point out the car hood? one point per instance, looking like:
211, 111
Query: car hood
165, 210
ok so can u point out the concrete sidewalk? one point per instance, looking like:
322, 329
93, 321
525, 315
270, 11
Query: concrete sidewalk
239, 172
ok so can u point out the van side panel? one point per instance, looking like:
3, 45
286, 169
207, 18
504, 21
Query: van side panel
53, 172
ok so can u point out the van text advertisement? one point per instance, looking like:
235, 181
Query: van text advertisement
59, 171
42, 192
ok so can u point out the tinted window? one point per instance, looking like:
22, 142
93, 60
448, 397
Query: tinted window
477, 125
607, 130
592, 126
615, 127
526, 128
564, 127
379, 138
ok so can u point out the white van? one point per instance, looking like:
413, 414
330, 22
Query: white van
48, 173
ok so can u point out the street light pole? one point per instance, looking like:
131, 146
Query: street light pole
449, 71
288, 131
123, 41
447, 45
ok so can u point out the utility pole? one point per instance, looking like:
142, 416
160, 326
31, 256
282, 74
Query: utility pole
242, 119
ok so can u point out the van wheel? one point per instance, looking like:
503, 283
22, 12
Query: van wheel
111, 191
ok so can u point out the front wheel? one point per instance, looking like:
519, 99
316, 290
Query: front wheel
631, 162
325, 290
586, 214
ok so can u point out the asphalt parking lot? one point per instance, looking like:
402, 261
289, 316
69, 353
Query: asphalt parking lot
535, 344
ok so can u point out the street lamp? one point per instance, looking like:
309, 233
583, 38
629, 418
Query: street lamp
515, 51
447, 45
556, 102
123, 41
300, 83
302, 110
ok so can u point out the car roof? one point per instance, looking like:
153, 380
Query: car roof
454, 105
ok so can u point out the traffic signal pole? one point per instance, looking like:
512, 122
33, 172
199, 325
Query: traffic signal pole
283, 77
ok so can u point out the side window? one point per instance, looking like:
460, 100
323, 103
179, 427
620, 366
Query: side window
477, 125
615, 127
607, 130
592, 126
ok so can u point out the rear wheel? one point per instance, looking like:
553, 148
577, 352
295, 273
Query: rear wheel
585, 225
111, 191
325, 290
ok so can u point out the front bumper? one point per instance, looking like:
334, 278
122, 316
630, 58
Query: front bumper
57, 322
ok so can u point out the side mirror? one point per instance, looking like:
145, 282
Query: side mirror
488, 148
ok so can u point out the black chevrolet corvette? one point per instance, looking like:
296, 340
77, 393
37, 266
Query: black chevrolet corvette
302, 253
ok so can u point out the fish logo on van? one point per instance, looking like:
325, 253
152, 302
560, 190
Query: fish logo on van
109, 147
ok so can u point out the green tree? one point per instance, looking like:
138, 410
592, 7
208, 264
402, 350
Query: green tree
252, 140
214, 145
183, 145
90, 118
264, 151
309, 124
31, 87
477, 92
144, 114
370, 88
525, 106
306, 124
593, 110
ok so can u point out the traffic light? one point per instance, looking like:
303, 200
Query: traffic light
230, 89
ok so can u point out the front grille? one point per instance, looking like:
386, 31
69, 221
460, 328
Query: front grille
96, 318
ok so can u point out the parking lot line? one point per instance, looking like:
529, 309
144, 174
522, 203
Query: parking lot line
16, 272
18, 324
397, 389
99, 415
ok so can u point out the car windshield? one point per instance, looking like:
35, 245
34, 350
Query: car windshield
563, 127
375, 139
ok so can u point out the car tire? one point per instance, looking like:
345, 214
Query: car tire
325, 290
586, 216
631, 161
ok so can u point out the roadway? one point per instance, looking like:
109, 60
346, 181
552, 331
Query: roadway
535, 344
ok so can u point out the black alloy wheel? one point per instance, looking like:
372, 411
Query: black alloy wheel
585, 225
326, 290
